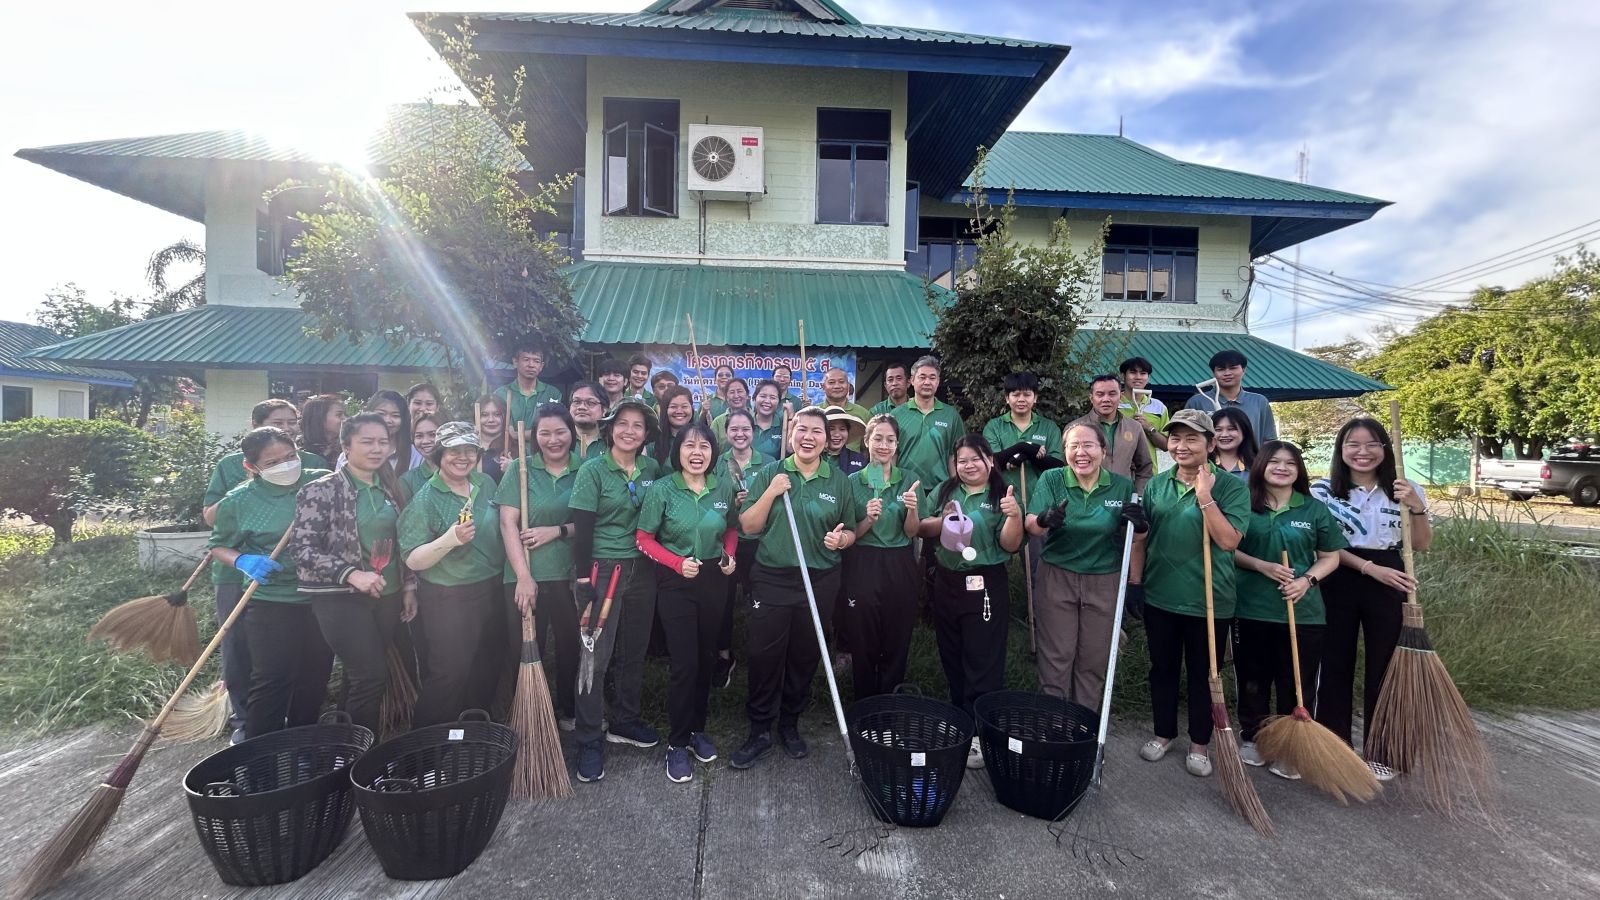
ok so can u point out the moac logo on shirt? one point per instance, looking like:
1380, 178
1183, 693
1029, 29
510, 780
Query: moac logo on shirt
1303, 526
1113, 504
719, 505
828, 497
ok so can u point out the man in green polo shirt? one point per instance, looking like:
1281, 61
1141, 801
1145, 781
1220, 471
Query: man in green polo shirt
836, 391
1021, 424
896, 388
928, 427
524, 394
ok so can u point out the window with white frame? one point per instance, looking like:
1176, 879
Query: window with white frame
1150, 264
72, 404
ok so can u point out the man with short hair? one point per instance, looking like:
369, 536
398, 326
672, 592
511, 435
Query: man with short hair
660, 383
524, 394
928, 427
1151, 414
1227, 367
613, 377
1019, 436
896, 388
836, 392
1127, 453
639, 380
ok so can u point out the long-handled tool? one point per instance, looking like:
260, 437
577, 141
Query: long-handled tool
1324, 760
1215, 397
1027, 569
1421, 726
590, 638
79, 834
699, 372
1084, 823
1236, 786
161, 625
805, 375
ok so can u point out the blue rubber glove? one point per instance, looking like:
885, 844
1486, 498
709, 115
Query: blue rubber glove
256, 567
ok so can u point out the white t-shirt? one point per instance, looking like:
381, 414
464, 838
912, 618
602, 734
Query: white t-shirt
1369, 519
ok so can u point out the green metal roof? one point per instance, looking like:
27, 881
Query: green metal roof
1109, 164
1182, 359
638, 303
747, 21
239, 337
17, 341
821, 10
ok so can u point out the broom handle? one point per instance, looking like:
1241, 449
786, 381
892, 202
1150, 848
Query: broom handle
477, 425
1027, 572
205, 560
1211, 613
805, 385
699, 376
216, 640
1294, 646
1407, 559
822, 639
522, 476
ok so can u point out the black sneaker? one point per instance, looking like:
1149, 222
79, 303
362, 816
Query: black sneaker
793, 744
724, 673
701, 746
755, 747
635, 733
679, 769
591, 761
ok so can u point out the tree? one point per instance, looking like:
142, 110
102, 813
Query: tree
443, 244
68, 311
1019, 310
1308, 421
1516, 368
55, 467
158, 274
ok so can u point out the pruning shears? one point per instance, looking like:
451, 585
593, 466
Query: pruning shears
591, 638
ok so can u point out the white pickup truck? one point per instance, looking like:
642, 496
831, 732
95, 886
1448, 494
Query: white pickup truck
1572, 471
1519, 479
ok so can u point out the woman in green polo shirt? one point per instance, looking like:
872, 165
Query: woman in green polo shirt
880, 608
686, 527
971, 592
1082, 511
605, 510
289, 661
768, 419
739, 463
1283, 517
424, 435
782, 640
677, 411
450, 536
1176, 502
538, 570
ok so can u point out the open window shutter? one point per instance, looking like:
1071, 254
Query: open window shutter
616, 170
913, 219
660, 171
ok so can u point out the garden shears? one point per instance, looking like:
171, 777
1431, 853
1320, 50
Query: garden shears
591, 638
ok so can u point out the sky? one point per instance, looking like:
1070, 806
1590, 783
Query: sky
1470, 115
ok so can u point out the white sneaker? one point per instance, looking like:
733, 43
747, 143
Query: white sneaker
1380, 771
1154, 749
1284, 770
1250, 755
975, 755
1198, 764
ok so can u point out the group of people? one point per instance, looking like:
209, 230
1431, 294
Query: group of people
629, 507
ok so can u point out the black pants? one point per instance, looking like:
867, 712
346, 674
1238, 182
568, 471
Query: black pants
462, 626
360, 629
1179, 642
878, 615
782, 643
971, 627
1356, 604
744, 562
290, 664
555, 625
1265, 665
620, 650
690, 611
235, 654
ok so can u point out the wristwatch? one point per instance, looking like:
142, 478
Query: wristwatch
1314, 580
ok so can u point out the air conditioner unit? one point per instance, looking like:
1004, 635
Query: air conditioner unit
728, 160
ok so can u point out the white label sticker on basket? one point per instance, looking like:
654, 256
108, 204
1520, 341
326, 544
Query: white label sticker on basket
457, 734
919, 759
1014, 745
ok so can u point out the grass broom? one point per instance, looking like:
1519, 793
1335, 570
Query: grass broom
73, 841
162, 625
200, 716
399, 699
541, 770
1421, 727
1236, 786
1323, 760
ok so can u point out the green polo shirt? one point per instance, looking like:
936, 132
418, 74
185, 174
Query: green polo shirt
377, 522
869, 484
1001, 433
549, 503
725, 469
987, 521
927, 438
719, 426
1302, 527
1089, 542
251, 518
229, 474
820, 502
1174, 577
413, 480
522, 407
715, 404
687, 522
580, 451
882, 406
435, 508
602, 488
768, 440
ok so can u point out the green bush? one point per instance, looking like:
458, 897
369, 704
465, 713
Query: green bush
54, 468
181, 470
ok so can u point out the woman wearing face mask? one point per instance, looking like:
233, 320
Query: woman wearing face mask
424, 435
738, 464
879, 611
843, 430
492, 433
971, 591
686, 528
319, 428
344, 547
782, 640
587, 405
1283, 518
449, 534
605, 511
538, 571
1367, 497
1235, 449
289, 660
677, 411
1082, 511
768, 420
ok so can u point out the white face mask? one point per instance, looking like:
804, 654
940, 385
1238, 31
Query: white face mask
283, 474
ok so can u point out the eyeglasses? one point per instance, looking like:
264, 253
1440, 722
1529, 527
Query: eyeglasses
584, 403
1370, 447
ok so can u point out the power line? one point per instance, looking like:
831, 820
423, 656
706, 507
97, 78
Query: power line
1435, 280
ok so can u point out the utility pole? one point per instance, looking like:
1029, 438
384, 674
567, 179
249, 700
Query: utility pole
1303, 166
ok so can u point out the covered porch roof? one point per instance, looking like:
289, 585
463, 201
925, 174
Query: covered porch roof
1181, 360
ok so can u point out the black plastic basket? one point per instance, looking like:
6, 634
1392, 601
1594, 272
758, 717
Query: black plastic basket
271, 809
1039, 750
430, 800
912, 755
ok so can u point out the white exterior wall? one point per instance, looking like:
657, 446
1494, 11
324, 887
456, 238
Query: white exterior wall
232, 278
399, 382
47, 394
230, 394
781, 229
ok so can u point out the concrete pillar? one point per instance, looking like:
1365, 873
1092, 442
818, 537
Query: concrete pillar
230, 394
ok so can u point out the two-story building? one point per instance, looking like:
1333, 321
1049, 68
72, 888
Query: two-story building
749, 163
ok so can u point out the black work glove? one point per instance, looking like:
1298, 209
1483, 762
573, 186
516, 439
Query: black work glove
585, 594
1133, 603
1053, 517
1046, 463
1013, 456
1133, 514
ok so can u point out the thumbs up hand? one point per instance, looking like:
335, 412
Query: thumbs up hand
1009, 505
911, 496
838, 538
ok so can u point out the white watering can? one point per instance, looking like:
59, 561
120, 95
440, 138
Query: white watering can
956, 535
